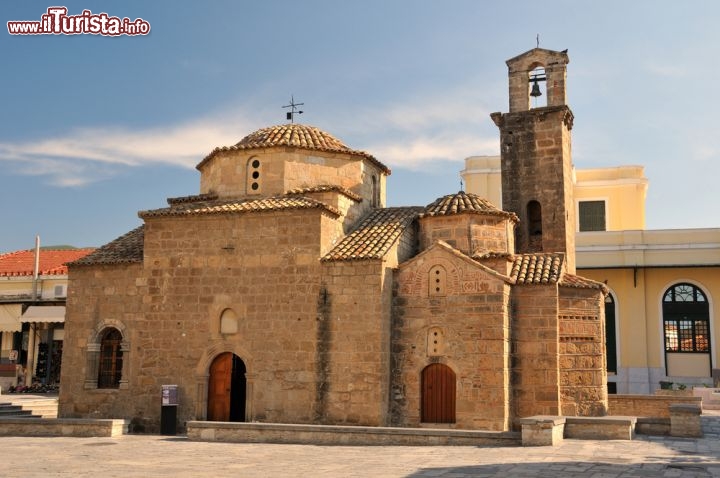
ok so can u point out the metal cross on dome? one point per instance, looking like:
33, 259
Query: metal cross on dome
290, 115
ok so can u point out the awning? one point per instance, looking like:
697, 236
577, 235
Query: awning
10, 317
47, 313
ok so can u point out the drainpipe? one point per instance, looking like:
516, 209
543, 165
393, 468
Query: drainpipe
30, 366
36, 269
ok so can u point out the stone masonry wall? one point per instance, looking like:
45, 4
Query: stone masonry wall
100, 297
468, 233
535, 355
263, 267
354, 358
282, 169
471, 321
583, 375
536, 166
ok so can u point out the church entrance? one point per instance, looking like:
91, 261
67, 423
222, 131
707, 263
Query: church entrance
438, 394
227, 389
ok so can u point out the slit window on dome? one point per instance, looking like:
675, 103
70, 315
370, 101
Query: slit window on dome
254, 176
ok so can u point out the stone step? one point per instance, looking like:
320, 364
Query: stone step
40, 407
14, 411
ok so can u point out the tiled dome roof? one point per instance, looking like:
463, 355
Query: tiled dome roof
297, 136
463, 202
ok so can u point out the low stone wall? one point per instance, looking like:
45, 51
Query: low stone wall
53, 427
542, 430
685, 420
600, 428
653, 426
646, 405
342, 435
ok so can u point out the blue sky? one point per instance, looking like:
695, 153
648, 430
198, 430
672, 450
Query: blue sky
93, 129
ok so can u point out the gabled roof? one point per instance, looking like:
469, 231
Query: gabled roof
439, 244
375, 235
125, 249
297, 136
238, 206
52, 262
462, 202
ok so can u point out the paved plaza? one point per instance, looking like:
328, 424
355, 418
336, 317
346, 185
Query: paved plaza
151, 455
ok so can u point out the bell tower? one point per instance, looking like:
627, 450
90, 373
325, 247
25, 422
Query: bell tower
535, 152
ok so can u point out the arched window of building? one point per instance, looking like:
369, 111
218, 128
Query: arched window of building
686, 328
111, 358
610, 335
534, 225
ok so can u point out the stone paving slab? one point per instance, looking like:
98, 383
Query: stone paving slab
151, 456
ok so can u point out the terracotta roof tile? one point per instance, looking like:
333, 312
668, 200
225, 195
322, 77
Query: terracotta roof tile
571, 280
537, 268
293, 135
125, 249
463, 202
195, 198
375, 235
323, 189
52, 262
493, 255
236, 206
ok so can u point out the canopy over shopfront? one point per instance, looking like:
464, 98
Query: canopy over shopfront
44, 314
10, 317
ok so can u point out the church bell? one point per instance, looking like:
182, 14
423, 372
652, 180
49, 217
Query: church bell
535, 89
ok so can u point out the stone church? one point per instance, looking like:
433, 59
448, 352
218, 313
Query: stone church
285, 291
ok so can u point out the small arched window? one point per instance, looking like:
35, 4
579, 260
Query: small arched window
253, 176
228, 322
111, 358
437, 281
534, 225
375, 191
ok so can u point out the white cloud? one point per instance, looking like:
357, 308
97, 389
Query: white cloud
90, 154
418, 152
405, 134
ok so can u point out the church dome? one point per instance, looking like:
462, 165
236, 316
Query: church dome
297, 136
462, 202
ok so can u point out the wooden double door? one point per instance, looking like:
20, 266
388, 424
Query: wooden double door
227, 389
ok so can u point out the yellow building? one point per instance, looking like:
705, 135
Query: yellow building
662, 312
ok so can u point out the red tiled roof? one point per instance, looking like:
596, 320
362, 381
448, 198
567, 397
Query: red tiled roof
375, 235
571, 280
297, 136
127, 248
52, 262
324, 189
239, 206
463, 202
537, 268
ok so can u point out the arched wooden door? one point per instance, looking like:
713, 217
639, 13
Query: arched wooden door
438, 394
226, 389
